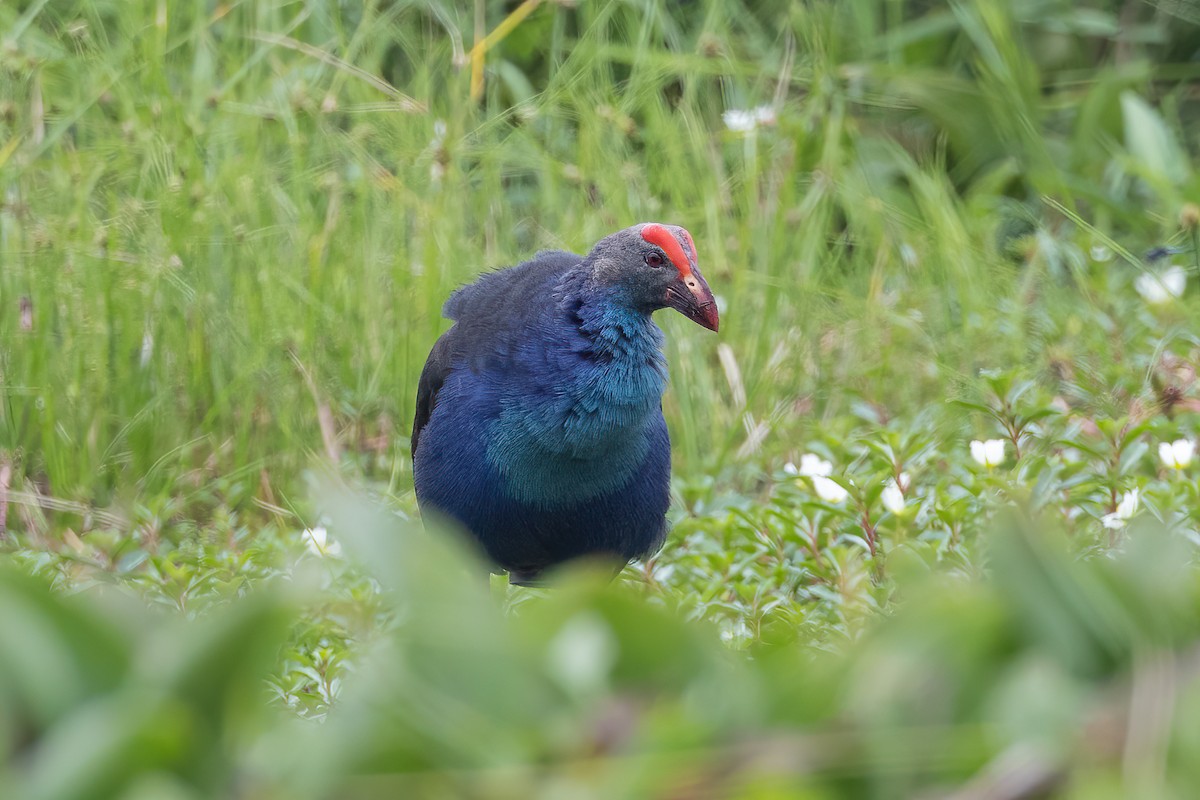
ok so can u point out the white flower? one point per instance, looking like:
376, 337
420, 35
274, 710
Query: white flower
812, 465
1160, 288
583, 652
1101, 253
1177, 454
990, 453
319, 543
818, 470
734, 632
1125, 510
746, 120
1128, 505
828, 490
892, 497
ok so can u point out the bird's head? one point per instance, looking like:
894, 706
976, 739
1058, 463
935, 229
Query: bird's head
654, 265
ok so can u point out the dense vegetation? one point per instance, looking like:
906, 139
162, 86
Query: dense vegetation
936, 516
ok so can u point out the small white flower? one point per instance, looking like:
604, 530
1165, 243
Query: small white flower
892, 498
739, 121
1128, 505
1177, 454
1125, 511
990, 453
812, 465
583, 652
790, 469
1101, 253
747, 120
828, 490
735, 632
319, 543
1160, 288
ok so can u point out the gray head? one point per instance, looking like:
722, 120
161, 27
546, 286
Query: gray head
655, 266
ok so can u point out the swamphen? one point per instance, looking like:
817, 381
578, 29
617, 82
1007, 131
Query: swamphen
539, 425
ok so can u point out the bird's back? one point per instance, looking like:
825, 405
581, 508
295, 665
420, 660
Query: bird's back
490, 317
493, 314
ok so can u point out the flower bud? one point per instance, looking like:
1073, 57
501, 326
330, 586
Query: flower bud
1189, 216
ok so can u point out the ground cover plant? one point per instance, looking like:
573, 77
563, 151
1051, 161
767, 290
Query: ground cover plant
935, 509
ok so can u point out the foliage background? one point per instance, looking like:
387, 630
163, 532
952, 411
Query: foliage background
226, 231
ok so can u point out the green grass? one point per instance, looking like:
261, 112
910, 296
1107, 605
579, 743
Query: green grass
226, 234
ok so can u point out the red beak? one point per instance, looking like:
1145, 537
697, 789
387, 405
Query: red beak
691, 297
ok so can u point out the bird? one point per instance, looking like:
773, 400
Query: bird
539, 428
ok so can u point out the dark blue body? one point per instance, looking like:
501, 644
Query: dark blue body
546, 440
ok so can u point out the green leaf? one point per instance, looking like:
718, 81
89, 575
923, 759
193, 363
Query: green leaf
1150, 140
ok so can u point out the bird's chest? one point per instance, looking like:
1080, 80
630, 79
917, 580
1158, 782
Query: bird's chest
582, 427
604, 402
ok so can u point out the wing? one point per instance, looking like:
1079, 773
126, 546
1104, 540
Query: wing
437, 367
491, 316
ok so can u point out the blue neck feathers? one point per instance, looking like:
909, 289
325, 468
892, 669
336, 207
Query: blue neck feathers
582, 428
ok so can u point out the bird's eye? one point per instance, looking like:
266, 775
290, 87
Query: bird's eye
654, 260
